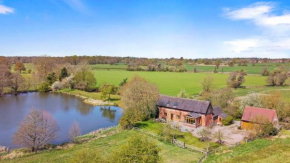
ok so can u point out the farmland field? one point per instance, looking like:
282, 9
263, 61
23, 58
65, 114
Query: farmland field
249, 69
170, 83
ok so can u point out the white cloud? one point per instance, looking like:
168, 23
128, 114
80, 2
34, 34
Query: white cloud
274, 40
241, 45
77, 5
6, 10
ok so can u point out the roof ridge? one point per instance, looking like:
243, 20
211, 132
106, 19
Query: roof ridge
260, 108
185, 98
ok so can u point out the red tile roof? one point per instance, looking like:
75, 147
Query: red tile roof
250, 113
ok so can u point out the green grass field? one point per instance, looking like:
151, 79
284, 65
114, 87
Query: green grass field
170, 83
249, 69
168, 153
258, 151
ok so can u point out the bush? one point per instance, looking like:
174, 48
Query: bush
56, 86
228, 120
87, 157
44, 87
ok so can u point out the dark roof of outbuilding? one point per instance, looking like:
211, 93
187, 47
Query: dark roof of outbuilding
196, 106
217, 111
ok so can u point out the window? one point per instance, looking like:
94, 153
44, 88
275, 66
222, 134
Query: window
175, 104
189, 120
171, 116
177, 117
165, 114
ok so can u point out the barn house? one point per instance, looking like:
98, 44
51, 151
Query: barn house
193, 113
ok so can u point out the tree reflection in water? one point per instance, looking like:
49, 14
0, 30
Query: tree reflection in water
84, 108
108, 112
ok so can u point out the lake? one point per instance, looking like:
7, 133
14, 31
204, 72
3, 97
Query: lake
65, 109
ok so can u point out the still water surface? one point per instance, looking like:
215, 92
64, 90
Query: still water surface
65, 109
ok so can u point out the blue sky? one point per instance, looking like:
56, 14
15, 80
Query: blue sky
145, 28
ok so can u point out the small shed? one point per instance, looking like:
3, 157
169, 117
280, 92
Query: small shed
253, 115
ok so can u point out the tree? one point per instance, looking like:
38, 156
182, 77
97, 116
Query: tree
236, 79
68, 82
74, 131
277, 78
195, 70
207, 84
217, 63
252, 99
182, 94
222, 97
43, 66
51, 78
85, 80
37, 130
219, 135
4, 77
19, 66
264, 71
63, 74
107, 90
263, 127
56, 86
139, 98
204, 133
16, 81
137, 149
231, 63
167, 132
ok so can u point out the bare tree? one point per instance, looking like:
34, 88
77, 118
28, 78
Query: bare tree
4, 77
74, 131
219, 136
19, 66
37, 130
204, 133
16, 81
236, 79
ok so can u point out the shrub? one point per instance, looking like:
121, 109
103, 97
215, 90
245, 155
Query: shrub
44, 87
56, 86
228, 120
236, 79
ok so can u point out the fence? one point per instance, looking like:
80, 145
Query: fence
176, 142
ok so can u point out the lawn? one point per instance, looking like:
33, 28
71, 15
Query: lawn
168, 153
93, 95
170, 83
258, 151
186, 137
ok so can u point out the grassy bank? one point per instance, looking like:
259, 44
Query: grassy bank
104, 145
115, 99
259, 151
186, 137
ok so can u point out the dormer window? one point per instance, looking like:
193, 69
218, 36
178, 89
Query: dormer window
167, 104
175, 104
